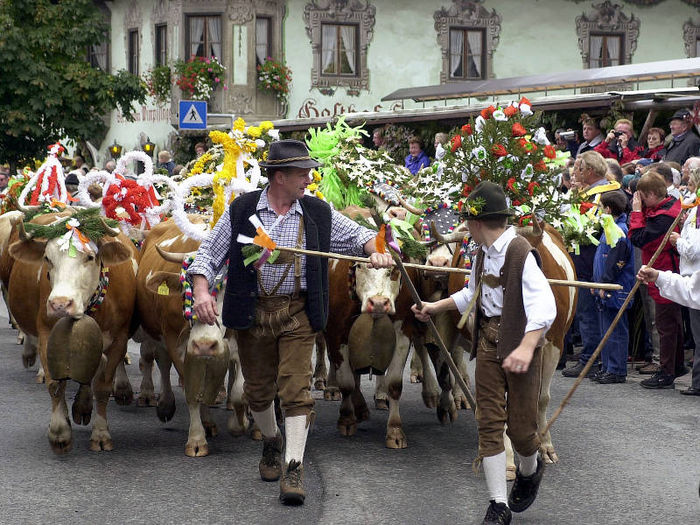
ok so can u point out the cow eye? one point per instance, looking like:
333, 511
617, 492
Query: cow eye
90, 258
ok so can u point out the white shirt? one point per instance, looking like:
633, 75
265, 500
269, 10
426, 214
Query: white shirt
538, 299
688, 244
680, 289
673, 192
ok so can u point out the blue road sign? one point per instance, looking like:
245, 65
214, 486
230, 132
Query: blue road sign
193, 114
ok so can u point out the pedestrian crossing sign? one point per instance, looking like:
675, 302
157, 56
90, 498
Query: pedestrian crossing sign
193, 114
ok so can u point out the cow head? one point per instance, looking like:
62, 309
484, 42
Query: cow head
377, 289
442, 253
73, 276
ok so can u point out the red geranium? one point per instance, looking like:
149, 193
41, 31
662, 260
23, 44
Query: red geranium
467, 128
540, 166
487, 112
510, 111
550, 152
467, 190
511, 184
524, 220
456, 142
517, 202
525, 101
518, 129
498, 150
531, 187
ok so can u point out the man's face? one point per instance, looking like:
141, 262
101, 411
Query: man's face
678, 126
295, 181
4, 179
590, 132
624, 128
414, 149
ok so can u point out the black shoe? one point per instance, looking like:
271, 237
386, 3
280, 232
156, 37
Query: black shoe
609, 378
575, 371
497, 514
525, 488
598, 374
691, 391
658, 380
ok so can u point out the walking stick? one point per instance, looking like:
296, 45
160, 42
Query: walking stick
441, 344
620, 313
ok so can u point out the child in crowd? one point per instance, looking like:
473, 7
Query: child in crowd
614, 265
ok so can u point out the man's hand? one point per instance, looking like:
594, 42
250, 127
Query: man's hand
623, 140
381, 260
424, 313
518, 361
673, 238
204, 303
647, 275
610, 137
636, 202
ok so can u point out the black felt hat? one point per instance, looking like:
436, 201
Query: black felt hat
681, 114
488, 200
289, 153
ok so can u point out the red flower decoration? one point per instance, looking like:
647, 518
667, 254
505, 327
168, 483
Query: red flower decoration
467, 190
531, 187
498, 150
487, 112
517, 202
550, 152
510, 111
584, 207
540, 166
456, 142
525, 101
134, 200
467, 128
518, 129
524, 220
511, 184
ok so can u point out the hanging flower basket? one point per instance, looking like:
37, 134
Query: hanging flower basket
159, 81
274, 77
199, 77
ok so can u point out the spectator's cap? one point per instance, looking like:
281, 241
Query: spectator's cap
681, 114
626, 180
487, 200
289, 153
644, 162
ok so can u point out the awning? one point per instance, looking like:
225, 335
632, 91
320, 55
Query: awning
576, 79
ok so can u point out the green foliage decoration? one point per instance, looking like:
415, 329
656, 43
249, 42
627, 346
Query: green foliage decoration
91, 225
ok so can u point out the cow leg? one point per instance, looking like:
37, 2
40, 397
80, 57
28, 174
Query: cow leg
381, 395
320, 370
238, 420
395, 437
28, 350
100, 439
510, 457
166, 401
332, 391
123, 393
550, 358
197, 445
60, 433
446, 408
416, 368
431, 390
358, 402
147, 395
82, 405
347, 422
457, 353
209, 425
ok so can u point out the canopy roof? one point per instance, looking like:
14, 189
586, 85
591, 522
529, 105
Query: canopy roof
576, 79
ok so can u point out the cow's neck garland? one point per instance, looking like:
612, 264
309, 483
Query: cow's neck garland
99, 296
188, 297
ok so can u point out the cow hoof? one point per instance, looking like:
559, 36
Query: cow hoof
430, 399
210, 428
61, 447
362, 414
123, 394
461, 402
28, 360
256, 435
550, 456
416, 378
20, 339
40, 377
447, 415
147, 399
101, 445
347, 427
196, 449
332, 394
381, 404
82, 406
320, 384
395, 438
166, 407
510, 473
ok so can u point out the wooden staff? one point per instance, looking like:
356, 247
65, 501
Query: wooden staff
620, 313
435, 269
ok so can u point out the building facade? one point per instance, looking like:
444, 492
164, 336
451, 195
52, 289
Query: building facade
345, 55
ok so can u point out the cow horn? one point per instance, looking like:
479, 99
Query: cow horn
23, 235
410, 207
176, 257
536, 228
455, 236
112, 232
27, 209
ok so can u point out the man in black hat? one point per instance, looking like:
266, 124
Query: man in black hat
508, 283
278, 310
685, 143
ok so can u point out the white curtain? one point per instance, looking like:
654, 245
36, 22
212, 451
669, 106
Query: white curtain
596, 46
474, 39
215, 35
261, 44
347, 33
196, 34
328, 40
456, 50
99, 54
614, 45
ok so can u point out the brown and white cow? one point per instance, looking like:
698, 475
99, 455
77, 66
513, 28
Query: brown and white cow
50, 284
209, 351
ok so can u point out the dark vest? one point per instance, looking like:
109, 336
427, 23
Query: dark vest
513, 318
242, 286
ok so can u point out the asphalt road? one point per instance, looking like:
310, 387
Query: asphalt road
627, 455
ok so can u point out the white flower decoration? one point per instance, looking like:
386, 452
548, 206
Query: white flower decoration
541, 137
479, 153
556, 223
528, 171
525, 110
499, 115
479, 124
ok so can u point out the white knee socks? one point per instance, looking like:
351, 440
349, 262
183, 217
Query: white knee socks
296, 430
495, 471
528, 464
266, 421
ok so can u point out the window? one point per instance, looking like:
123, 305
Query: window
606, 50
339, 49
133, 52
161, 44
263, 39
98, 56
204, 36
467, 53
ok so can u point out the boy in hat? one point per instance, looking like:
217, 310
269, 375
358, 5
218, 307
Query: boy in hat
685, 143
508, 282
278, 310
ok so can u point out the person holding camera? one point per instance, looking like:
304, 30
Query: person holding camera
620, 144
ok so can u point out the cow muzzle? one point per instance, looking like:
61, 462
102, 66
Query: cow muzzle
378, 305
62, 307
205, 348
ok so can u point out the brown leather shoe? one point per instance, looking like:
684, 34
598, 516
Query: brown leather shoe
292, 484
650, 369
271, 463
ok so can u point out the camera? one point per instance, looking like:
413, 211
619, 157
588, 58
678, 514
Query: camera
567, 135
618, 133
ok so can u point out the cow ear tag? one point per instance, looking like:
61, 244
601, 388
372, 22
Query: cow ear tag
163, 289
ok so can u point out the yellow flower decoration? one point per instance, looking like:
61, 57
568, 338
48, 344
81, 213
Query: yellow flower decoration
231, 153
254, 131
266, 126
239, 124
312, 187
320, 196
316, 176
199, 165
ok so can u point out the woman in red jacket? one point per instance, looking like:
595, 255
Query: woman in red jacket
653, 212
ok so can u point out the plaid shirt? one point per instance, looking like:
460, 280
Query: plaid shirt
347, 237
